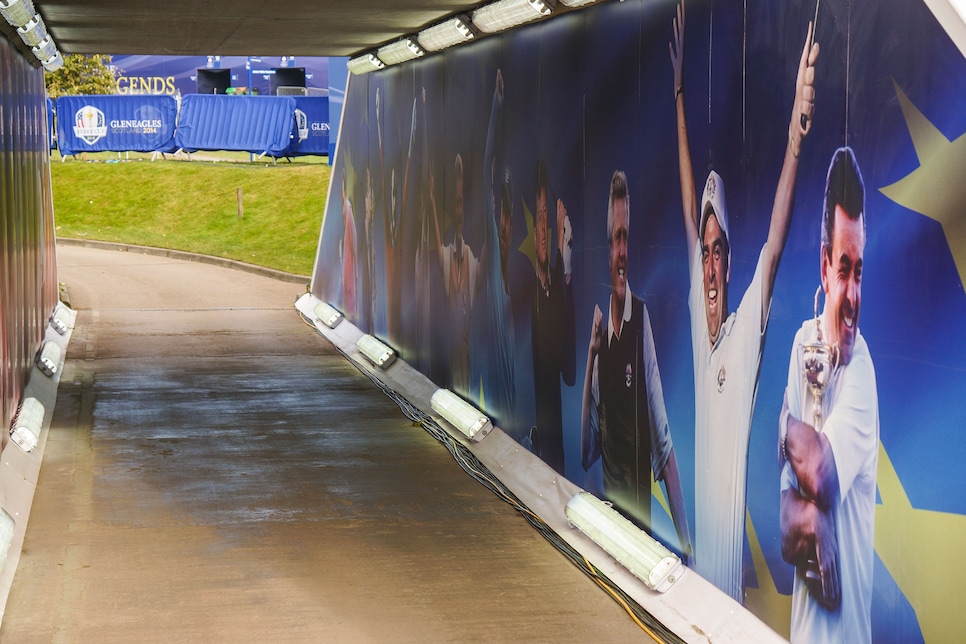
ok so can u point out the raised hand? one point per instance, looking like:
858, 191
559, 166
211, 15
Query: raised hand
597, 331
676, 49
804, 105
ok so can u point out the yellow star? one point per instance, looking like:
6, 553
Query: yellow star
528, 246
922, 550
350, 176
765, 601
919, 548
935, 189
482, 396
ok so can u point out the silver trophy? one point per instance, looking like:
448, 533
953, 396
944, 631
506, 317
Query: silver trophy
818, 361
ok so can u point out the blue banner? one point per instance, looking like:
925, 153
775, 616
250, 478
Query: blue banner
312, 124
115, 123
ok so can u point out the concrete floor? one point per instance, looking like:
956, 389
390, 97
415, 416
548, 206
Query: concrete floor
215, 471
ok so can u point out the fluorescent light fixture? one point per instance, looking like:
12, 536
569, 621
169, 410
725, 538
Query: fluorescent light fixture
53, 64
6, 534
46, 49
400, 51
60, 320
378, 353
446, 34
17, 12
33, 32
49, 358
573, 4
25, 430
634, 549
461, 415
505, 14
364, 64
327, 315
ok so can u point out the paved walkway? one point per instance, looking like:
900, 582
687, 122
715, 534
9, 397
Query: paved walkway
216, 472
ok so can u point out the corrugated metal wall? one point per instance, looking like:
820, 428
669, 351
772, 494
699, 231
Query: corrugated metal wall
28, 265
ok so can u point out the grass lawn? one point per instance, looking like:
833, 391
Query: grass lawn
193, 206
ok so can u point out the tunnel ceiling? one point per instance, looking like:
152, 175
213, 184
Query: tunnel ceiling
237, 27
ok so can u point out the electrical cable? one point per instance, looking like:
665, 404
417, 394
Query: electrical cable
478, 471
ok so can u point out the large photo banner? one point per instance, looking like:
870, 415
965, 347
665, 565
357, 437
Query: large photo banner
706, 260
115, 123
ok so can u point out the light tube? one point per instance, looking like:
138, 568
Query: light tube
634, 549
327, 315
6, 534
461, 415
400, 51
378, 353
45, 49
364, 64
33, 32
446, 34
49, 358
25, 430
505, 14
17, 12
60, 320
54, 63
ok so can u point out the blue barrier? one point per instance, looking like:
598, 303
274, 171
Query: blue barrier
256, 124
50, 123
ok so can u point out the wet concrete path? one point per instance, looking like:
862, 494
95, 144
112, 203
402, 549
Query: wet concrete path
216, 472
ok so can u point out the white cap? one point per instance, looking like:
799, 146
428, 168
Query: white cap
713, 201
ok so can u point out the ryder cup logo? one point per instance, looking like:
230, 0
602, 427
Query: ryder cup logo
303, 124
89, 124
710, 188
628, 375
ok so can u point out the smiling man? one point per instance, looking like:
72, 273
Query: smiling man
727, 346
829, 476
623, 419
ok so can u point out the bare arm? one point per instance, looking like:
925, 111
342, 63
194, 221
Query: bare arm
561, 273
432, 208
379, 130
409, 156
810, 455
809, 543
675, 497
425, 181
490, 253
589, 435
432, 189
387, 210
564, 241
568, 350
781, 213
689, 196
798, 519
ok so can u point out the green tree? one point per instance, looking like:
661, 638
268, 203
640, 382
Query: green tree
82, 74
